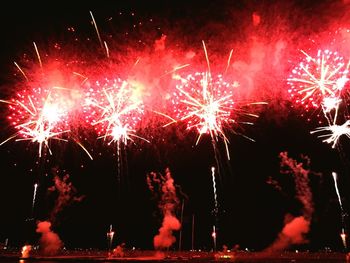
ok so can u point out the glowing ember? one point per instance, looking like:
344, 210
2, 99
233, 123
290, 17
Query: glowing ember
26, 251
319, 78
343, 238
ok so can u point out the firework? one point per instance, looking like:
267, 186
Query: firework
343, 238
343, 214
335, 132
40, 114
214, 236
216, 206
110, 236
114, 109
335, 177
205, 103
318, 80
26, 251
34, 197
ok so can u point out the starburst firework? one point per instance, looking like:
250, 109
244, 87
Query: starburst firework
318, 79
114, 109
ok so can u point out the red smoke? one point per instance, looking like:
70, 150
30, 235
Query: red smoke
293, 233
301, 178
168, 203
66, 194
50, 243
295, 229
165, 237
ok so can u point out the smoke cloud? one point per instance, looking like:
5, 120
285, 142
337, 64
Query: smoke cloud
168, 203
67, 194
50, 243
295, 228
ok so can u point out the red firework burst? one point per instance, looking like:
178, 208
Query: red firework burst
205, 103
40, 114
319, 81
114, 108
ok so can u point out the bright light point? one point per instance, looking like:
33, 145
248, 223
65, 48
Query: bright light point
330, 103
118, 133
51, 113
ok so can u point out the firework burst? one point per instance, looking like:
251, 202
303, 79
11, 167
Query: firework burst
39, 114
114, 109
319, 80
207, 105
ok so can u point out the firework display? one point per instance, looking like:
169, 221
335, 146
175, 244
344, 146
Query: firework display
141, 96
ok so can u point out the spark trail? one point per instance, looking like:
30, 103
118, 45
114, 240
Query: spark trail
343, 234
34, 197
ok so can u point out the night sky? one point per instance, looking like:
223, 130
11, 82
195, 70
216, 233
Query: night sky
251, 211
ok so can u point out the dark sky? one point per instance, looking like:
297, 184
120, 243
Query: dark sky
251, 211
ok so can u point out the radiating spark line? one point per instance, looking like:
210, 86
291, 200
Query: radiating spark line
228, 61
9, 138
38, 54
7, 102
87, 152
167, 116
335, 178
80, 75
175, 69
97, 32
206, 57
107, 49
20, 69
336, 132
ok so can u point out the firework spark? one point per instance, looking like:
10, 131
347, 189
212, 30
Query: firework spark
335, 179
336, 132
34, 197
318, 78
216, 205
